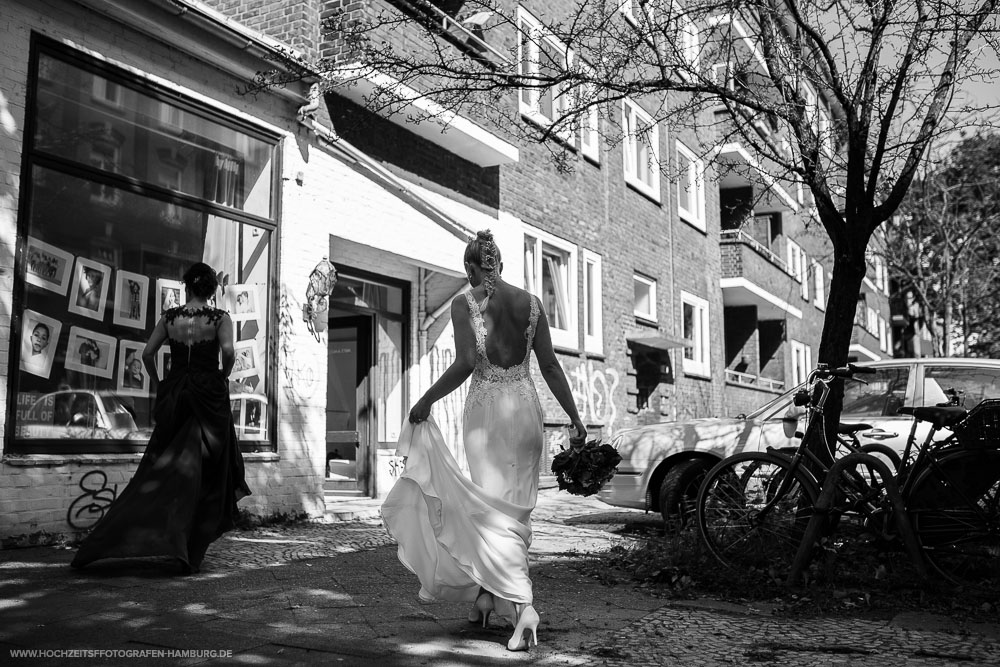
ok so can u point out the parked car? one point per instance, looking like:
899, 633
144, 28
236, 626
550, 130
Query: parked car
81, 414
663, 464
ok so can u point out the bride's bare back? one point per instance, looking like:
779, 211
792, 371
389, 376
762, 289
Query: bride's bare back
507, 316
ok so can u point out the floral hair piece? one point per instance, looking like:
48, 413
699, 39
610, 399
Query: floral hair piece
489, 260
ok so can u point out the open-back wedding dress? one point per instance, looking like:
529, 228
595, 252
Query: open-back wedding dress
459, 534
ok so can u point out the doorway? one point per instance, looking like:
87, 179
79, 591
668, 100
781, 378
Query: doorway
350, 360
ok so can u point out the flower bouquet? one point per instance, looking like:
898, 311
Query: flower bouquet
585, 467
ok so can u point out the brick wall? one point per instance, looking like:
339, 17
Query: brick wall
293, 22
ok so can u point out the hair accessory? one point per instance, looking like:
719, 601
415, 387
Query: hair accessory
489, 260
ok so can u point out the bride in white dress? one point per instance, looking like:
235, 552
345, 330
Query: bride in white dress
467, 539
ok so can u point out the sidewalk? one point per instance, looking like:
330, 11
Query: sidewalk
335, 594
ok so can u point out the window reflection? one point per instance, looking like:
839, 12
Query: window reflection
87, 118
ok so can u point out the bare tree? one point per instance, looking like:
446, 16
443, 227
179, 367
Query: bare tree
852, 92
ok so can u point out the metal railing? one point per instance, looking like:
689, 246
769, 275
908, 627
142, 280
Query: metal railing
751, 380
740, 236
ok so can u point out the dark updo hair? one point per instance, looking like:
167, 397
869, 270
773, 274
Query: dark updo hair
201, 280
483, 251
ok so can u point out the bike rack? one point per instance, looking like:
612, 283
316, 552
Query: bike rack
825, 503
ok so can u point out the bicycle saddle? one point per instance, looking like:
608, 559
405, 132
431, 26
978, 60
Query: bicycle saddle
939, 417
850, 429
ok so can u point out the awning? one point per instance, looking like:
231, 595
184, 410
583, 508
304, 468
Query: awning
651, 359
395, 218
664, 343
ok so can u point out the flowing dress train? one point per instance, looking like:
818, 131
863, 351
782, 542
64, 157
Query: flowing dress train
183, 494
455, 533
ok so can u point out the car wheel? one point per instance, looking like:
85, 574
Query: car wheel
679, 492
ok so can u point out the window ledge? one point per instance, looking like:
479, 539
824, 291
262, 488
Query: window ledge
698, 376
643, 190
703, 227
645, 321
53, 460
45, 460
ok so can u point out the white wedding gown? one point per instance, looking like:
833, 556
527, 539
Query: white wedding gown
457, 534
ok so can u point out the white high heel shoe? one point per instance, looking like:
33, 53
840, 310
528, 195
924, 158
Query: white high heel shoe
481, 609
525, 620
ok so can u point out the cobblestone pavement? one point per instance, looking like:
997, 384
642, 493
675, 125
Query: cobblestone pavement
334, 593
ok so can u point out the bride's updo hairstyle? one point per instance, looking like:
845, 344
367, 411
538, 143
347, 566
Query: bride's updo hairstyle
200, 280
484, 253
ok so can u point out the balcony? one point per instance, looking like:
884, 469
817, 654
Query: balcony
741, 169
756, 381
752, 275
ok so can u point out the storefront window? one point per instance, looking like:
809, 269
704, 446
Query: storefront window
124, 192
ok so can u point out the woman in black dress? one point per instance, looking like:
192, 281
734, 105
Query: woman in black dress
184, 493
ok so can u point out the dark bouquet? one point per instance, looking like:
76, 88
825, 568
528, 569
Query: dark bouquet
585, 467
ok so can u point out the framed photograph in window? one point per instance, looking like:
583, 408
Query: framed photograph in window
132, 377
241, 302
39, 335
131, 298
246, 359
163, 362
89, 294
169, 294
48, 266
90, 352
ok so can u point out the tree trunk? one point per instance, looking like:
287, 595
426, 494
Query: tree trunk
849, 268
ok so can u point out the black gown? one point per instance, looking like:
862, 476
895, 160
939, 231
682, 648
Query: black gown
183, 495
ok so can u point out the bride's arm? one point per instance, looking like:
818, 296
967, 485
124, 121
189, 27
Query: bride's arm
459, 370
554, 376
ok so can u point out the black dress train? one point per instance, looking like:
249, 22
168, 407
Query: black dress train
183, 495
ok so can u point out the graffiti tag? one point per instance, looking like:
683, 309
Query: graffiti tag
88, 509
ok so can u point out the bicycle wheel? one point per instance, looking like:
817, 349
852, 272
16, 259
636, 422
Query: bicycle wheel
734, 520
955, 507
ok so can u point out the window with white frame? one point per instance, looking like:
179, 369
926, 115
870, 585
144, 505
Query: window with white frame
879, 274
649, 17
801, 362
871, 320
819, 286
687, 37
542, 55
642, 150
797, 266
694, 324
550, 274
593, 316
690, 187
825, 129
811, 110
644, 297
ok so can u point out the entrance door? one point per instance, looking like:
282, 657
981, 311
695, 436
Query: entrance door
350, 359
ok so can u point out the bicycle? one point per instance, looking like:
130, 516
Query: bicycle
754, 508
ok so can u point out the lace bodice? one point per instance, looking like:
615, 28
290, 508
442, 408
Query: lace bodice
193, 338
488, 379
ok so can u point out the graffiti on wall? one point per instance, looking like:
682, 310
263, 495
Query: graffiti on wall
87, 509
594, 393
301, 376
448, 412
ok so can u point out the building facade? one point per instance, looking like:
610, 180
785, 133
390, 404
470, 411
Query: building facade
132, 149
